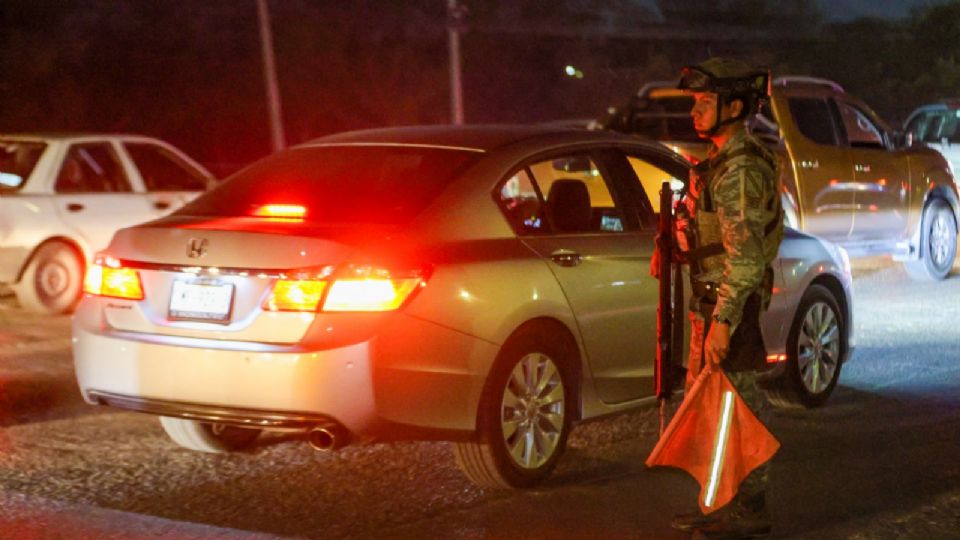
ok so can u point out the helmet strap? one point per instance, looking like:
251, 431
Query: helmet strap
717, 124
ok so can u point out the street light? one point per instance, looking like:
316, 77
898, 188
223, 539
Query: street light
270, 77
456, 17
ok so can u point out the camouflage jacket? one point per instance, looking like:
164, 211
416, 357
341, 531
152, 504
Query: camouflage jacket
734, 200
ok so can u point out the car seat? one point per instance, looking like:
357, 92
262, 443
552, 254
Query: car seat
569, 204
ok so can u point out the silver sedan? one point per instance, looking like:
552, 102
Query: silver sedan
487, 285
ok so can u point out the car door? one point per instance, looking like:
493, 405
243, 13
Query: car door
881, 175
821, 164
170, 179
93, 194
601, 257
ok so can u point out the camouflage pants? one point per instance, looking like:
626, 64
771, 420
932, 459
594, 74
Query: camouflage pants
752, 493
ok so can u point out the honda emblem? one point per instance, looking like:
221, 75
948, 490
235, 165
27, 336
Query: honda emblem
197, 247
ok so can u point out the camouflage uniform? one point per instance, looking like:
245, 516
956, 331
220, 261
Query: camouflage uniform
733, 199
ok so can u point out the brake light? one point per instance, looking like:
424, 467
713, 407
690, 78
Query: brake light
354, 288
295, 295
106, 277
288, 211
369, 294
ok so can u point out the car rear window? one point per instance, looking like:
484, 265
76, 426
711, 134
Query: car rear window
17, 160
348, 184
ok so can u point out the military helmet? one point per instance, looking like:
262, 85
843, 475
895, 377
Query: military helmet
727, 77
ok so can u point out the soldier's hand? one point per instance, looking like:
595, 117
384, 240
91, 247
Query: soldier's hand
718, 342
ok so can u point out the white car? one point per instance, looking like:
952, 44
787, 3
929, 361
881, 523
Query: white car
63, 196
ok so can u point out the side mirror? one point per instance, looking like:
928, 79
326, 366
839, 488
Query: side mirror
573, 164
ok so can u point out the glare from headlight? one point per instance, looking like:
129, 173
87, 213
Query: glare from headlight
844, 259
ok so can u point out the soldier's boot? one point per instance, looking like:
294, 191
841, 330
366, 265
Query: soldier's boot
736, 525
692, 521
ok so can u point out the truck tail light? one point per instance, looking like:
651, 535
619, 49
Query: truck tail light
107, 277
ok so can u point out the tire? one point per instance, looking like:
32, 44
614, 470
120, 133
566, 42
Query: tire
524, 417
938, 244
207, 437
53, 280
817, 338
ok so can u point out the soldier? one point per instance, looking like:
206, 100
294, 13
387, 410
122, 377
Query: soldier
729, 228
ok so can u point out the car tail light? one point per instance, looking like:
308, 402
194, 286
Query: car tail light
353, 288
295, 295
285, 211
369, 294
107, 277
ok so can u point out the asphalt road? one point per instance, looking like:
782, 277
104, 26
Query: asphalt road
880, 461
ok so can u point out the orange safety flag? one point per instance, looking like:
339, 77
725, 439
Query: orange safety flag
716, 438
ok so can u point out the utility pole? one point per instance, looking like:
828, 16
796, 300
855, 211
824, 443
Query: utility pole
456, 15
270, 77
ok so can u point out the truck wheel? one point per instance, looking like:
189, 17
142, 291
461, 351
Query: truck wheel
524, 416
814, 345
938, 244
207, 437
52, 281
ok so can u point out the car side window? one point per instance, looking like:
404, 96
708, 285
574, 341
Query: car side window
577, 195
813, 118
91, 168
652, 179
162, 170
861, 131
522, 204
918, 126
949, 127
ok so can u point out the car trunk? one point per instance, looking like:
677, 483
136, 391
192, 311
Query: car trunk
215, 278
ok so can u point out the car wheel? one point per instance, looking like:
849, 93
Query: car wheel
524, 416
208, 437
814, 345
938, 244
52, 281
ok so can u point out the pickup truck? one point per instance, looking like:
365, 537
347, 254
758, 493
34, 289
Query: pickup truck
846, 175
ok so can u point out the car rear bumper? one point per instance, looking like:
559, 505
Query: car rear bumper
174, 376
387, 387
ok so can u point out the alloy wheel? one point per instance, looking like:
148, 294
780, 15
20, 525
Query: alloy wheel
940, 239
52, 279
818, 347
532, 411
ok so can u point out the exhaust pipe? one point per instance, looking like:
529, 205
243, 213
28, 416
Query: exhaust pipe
326, 438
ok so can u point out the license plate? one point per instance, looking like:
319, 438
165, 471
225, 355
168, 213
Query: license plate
201, 301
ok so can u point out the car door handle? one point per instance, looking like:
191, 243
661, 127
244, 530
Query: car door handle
161, 205
809, 163
566, 257
861, 167
74, 207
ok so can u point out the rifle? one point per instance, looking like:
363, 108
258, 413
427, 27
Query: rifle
669, 307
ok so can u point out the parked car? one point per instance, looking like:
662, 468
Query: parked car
847, 176
485, 285
63, 196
